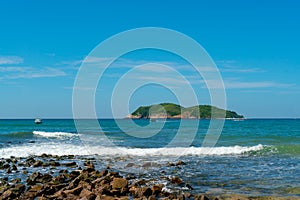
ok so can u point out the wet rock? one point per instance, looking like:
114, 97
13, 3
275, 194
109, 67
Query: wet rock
130, 176
14, 168
6, 166
18, 189
54, 164
14, 161
62, 178
17, 180
180, 162
130, 165
169, 164
119, 183
37, 177
75, 173
103, 173
8, 171
37, 163
156, 189
63, 171
8, 194
176, 180
71, 164
140, 192
189, 186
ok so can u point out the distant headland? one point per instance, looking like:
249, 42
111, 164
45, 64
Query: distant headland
174, 111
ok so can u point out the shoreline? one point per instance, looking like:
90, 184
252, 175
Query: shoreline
74, 177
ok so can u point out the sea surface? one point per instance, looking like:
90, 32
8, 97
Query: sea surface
253, 156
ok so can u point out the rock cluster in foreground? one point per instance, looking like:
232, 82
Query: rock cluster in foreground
87, 184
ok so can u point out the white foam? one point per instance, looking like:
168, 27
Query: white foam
38, 149
53, 134
67, 149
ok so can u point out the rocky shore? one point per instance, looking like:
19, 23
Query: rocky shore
64, 177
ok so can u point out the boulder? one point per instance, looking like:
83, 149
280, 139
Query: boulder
87, 194
176, 180
119, 183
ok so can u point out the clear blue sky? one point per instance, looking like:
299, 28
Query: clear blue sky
256, 45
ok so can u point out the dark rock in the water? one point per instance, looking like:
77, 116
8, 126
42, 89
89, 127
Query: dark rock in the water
71, 164
38, 163
37, 177
176, 180
180, 162
169, 164
17, 180
14, 168
8, 171
6, 166
54, 163
130, 165
189, 186
156, 189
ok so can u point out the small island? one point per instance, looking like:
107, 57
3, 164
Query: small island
174, 111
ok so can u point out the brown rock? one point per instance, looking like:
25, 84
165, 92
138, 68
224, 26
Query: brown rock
86, 185
8, 194
201, 197
140, 192
180, 162
87, 194
37, 163
176, 180
35, 188
18, 189
152, 197
119, 183
104, 197
130, 165
71, 164
75, 191
156, 189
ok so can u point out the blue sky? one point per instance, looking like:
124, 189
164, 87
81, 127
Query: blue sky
255, 45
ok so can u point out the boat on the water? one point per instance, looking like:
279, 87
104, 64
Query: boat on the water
37, 121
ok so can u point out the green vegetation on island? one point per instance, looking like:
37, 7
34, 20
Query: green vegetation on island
171, 110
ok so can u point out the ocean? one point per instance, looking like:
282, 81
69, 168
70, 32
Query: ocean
252, 157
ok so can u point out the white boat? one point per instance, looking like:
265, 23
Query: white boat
38, 121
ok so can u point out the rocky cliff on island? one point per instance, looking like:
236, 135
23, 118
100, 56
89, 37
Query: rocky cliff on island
174, 111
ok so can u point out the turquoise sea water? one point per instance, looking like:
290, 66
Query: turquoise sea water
254, 156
